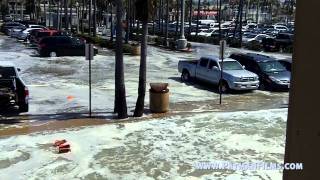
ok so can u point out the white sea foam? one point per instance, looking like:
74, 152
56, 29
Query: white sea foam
160, 148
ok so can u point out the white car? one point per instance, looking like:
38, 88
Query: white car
35, 26
280, 28
254, 37
194, 33
13, 32
208, 32
22, 35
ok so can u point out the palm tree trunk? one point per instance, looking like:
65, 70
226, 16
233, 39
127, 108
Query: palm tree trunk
240, 23
159, 17
257, 12
82, 16
127, 21
70, 15
198, 17
120, 91
219, 19
94, 18
177, 18
111, 22
90, 17
45, 13
38, 11
190, 16
162, 19
58, 16
167, 22
138, 112
66, 23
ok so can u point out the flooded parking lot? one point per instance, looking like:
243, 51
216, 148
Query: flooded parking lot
249, 126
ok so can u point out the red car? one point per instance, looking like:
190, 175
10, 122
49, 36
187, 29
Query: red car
38, 35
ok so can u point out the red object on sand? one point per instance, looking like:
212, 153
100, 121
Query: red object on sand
62, 146
63, 150
59, 142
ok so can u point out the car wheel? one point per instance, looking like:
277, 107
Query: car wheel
262, 86
24, 107
53, 54
223, 85
185, 76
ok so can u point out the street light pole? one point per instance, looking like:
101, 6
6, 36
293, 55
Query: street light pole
182, 19
182, 42
77, 11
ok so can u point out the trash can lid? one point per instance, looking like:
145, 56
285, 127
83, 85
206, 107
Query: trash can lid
159, 87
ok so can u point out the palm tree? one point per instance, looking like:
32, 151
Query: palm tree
190, 16
4, 7
138, 112
177, 18
167, 22
66, 22
120, 105
111, 23
198, 17
94, 18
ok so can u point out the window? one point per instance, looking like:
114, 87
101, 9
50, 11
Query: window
7, 72
231, 65
212, 64
203, 62
271, 66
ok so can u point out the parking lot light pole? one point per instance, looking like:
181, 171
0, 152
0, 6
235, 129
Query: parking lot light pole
77, 11
182, 42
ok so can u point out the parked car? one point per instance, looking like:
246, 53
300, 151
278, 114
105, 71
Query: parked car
62, 46
271, 32
26, 17
208, 69
258, 38
246, 37
22, 35
13, 91
208, 32
269, 45
9, 25
272, 74
284, 40
8, 18
13, 32
36, 36
286, 63
280, 28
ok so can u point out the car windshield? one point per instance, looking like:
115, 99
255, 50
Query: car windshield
43, 34
6, 72
208, 31
250, 36
231, 65
271, 66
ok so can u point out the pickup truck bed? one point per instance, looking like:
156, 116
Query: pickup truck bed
13, 91
7, 92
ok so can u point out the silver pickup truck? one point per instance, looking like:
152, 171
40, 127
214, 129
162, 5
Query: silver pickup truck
208, 69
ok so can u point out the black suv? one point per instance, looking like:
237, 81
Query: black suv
284, 40
272, 74
54, 46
